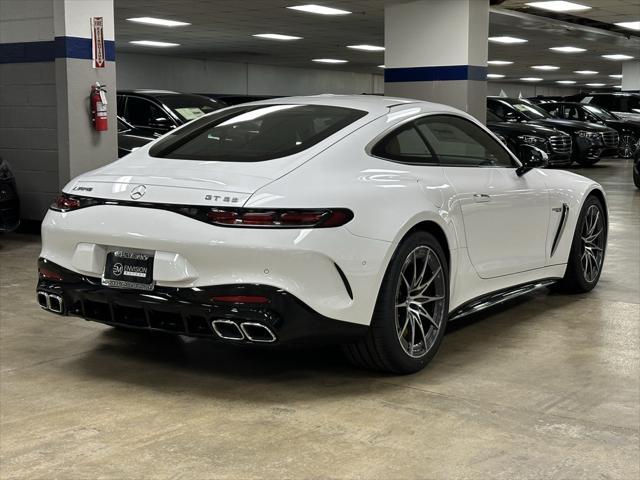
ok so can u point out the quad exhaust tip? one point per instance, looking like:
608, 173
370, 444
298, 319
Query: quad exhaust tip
51, 302
253, 332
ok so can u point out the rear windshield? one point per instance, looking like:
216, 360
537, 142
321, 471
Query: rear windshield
255, 133
189, 107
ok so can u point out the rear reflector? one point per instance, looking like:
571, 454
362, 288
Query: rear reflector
49, 274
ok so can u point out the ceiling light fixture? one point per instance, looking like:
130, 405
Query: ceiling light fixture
617, 56
381, 66
559, 6
367, 48
566, 82
158, 21
616, 76
545, 67
629, 25
617, 86
568, 49
499, 62
152, 43
531, 79
495, 75
329, 60
276, 36
585, 72
595, 84
507, 40
319, 9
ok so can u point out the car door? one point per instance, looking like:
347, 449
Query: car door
505, 216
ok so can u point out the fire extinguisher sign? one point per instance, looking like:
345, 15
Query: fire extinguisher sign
97, 42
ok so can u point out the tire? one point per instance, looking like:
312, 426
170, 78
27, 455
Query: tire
636, 178
582, 275
389, 341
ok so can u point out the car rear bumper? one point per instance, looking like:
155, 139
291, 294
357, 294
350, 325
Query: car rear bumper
278, 318
334, 272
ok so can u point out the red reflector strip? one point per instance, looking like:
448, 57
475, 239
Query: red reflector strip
49, 274
301, 218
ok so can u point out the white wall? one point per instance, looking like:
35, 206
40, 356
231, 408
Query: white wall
528, 89
208, 76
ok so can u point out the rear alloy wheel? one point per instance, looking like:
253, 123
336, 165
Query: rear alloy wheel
587, 250
411, 312
627, 146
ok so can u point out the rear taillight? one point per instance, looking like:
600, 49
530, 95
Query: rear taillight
279, 218
67, 203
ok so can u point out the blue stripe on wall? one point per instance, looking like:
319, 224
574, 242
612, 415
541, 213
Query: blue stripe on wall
60, 47
435, 74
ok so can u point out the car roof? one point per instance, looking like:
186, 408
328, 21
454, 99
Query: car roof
369, 103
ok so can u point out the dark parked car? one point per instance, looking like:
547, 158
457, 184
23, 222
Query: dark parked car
589, 139
130, 138
628, 130
623, 104
9, 201
155, 112
555, 143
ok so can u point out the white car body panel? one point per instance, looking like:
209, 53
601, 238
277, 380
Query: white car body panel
492, 245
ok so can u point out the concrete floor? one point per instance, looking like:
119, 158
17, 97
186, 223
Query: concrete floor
546, 388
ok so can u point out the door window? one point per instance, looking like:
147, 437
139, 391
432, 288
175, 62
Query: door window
457, 142
404, 145
142, 113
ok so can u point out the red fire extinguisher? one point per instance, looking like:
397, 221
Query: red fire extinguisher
99, 107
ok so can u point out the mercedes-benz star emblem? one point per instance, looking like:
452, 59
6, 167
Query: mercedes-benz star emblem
138, 192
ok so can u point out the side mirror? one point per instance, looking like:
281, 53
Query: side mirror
531, 157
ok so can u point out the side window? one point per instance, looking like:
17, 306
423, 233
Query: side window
404, 145
555, 110
142, 113
606, 101
460, 143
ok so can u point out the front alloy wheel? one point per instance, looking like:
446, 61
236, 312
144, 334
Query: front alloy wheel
410, 315
592, 240
627, 146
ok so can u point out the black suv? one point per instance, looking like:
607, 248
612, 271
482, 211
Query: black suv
628, 130
155, 112
623, 104
588, 138
555, 143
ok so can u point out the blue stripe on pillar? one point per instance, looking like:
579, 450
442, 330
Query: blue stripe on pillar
435, 74
61, 47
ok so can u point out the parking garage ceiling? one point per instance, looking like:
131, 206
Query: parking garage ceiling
223, 30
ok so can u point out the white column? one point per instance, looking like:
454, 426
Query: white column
631, 76
81, 148
437, 50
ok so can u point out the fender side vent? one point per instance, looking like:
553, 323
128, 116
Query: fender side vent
345, 281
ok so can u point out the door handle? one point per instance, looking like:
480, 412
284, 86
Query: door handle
481, 197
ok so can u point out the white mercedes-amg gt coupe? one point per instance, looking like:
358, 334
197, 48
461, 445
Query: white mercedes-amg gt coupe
363, 220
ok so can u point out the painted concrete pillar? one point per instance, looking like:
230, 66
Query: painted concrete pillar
45, 77
631, 76
437, 50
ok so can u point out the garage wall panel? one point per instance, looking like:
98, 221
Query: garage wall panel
209, 76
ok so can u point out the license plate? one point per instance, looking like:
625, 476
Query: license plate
128, 269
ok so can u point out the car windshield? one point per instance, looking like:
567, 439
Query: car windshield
601, 113
255, 133
190, 107
531, 111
